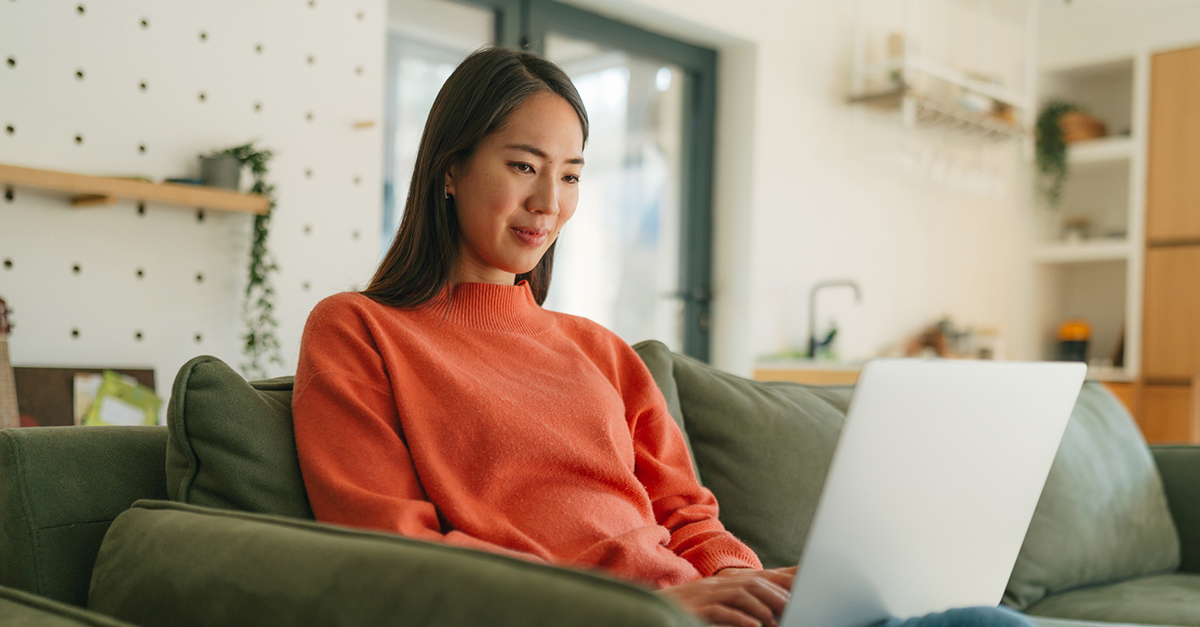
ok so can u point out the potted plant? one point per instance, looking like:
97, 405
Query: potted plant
1059, 124
261, 345
1052, 151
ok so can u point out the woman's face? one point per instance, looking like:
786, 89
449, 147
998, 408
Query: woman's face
517, 191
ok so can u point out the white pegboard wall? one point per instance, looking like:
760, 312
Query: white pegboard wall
147, 87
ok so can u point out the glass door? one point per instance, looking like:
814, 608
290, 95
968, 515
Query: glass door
652, 100
617, 261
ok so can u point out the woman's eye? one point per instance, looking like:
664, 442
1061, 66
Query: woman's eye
571, 178
523, 167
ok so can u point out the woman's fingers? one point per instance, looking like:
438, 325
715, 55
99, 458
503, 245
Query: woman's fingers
722, 615
781, 577
775, 597
743, 598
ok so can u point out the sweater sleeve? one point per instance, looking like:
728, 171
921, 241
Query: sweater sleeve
357, 469
681, 505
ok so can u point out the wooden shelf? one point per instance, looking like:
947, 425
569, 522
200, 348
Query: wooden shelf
84, 190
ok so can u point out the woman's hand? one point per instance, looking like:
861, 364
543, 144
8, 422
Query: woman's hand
739, 597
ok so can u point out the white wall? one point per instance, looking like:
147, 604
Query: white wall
325, 232
1088, 31
810, 188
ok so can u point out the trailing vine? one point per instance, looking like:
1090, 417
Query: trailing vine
258, 309
1052, 151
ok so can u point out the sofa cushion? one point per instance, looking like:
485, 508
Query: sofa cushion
1179, 467
166, 563
762, 448
60, 488
1102, 516
1172, 599
659, 362
29, 610
231, 442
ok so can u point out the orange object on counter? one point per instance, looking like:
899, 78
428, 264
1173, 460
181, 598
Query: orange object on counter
1074, 331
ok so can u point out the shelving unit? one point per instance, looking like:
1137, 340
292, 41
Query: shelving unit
88, 191
1096, 273
931, 80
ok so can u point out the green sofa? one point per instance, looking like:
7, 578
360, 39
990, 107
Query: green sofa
206, 522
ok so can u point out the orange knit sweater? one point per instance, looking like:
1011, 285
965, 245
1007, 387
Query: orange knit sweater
485, 421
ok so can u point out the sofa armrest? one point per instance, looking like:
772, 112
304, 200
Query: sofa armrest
60, 487
1179, 466
23, 608
165, 563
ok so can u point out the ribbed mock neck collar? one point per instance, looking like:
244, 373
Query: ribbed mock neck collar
491, 307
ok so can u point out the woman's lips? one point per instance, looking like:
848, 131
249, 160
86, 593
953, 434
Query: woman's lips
531, 237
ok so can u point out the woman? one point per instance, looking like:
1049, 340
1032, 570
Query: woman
443, 403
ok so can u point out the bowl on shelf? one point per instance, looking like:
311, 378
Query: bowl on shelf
1078, 126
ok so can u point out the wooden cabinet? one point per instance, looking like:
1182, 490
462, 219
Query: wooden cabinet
1171, 336
1168, 406
1168, 414
1125, 392
1173, 177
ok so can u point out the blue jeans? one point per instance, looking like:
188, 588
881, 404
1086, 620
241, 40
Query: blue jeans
963, 617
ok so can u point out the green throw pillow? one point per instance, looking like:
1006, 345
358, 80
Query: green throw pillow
231, 443
762, 448
1103, 515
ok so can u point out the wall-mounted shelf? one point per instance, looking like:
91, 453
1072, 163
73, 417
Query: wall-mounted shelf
1102, 150
1083, 252
84, 190
955, 69
918, 110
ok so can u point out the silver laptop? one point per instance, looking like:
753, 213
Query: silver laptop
933, 484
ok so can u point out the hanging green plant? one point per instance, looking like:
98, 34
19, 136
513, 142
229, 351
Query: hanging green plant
258, 310
1052, 151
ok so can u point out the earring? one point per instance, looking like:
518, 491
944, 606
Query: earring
446, 191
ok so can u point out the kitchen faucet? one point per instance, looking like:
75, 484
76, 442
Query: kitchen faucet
812, 309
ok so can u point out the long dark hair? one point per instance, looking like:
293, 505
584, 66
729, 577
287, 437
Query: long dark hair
474, 103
